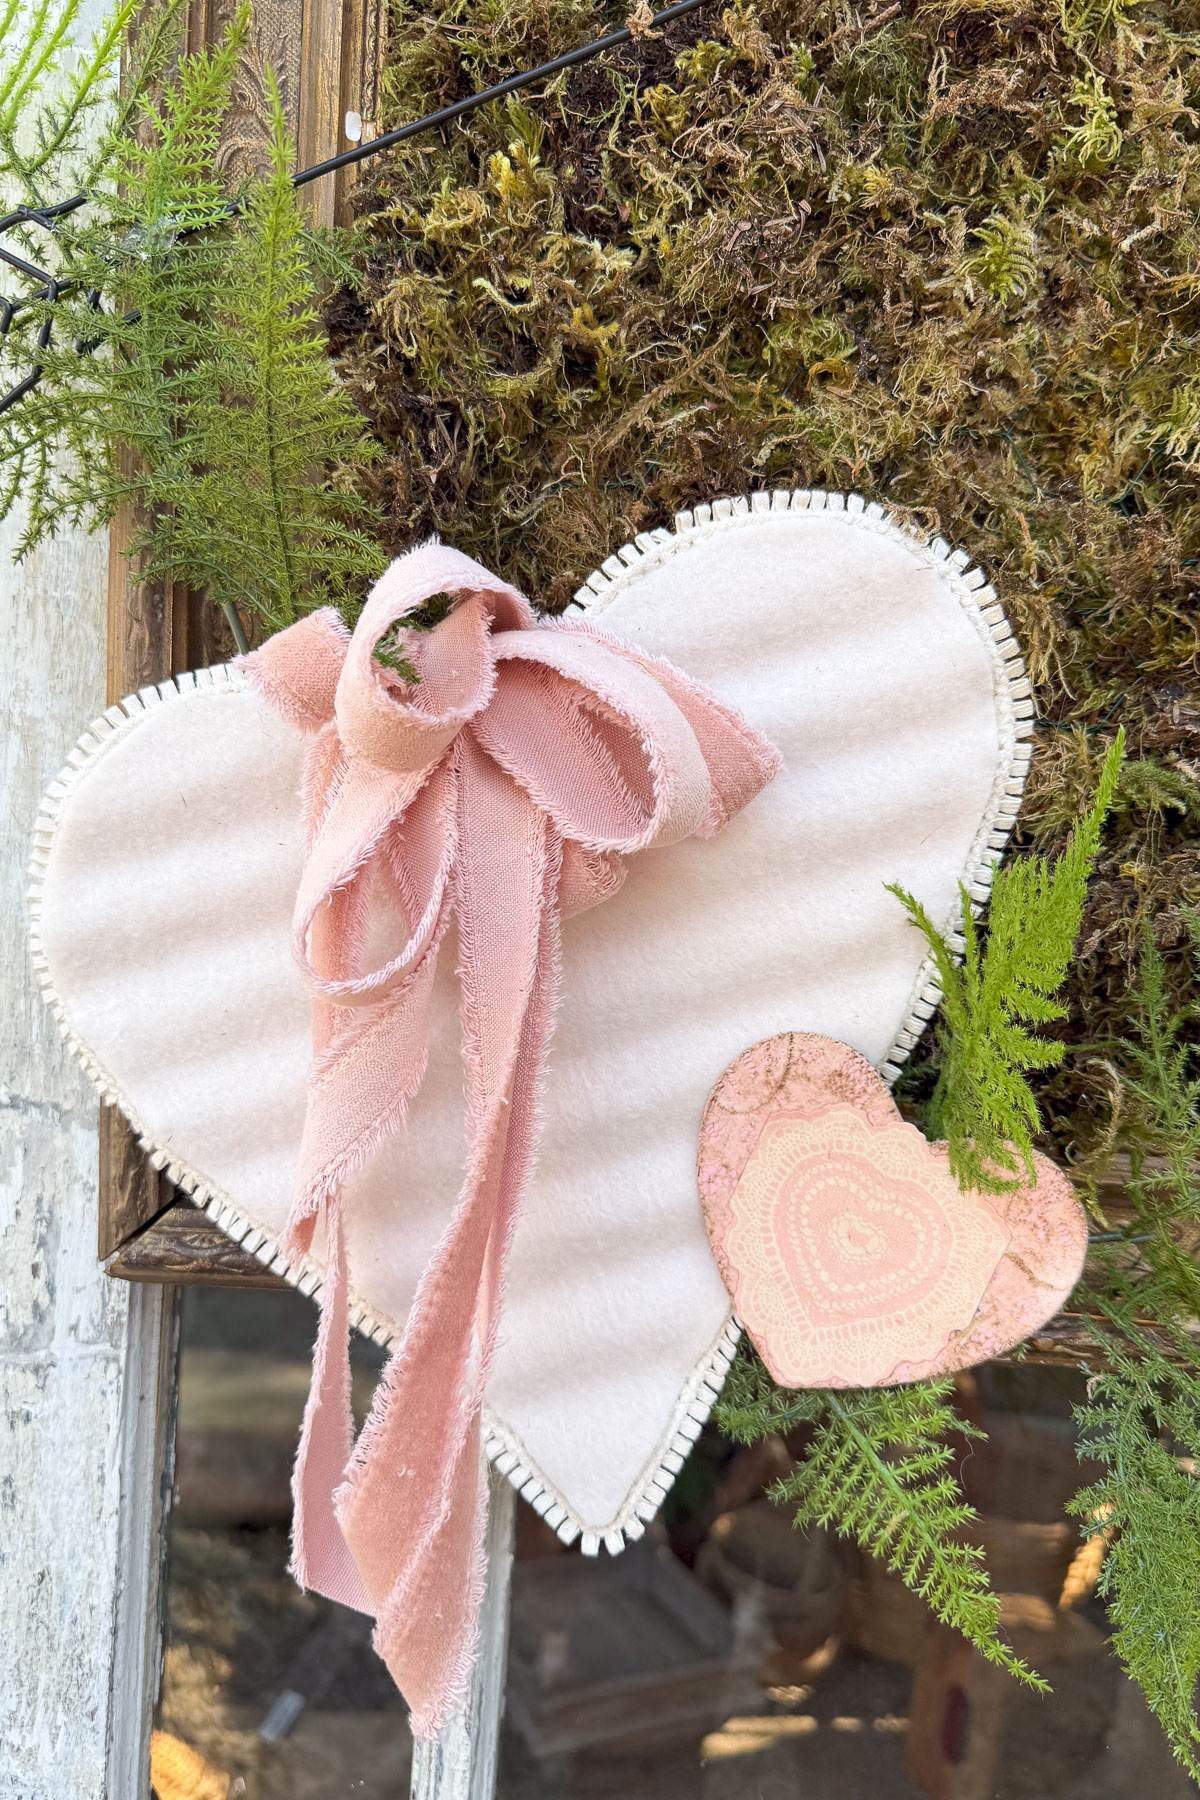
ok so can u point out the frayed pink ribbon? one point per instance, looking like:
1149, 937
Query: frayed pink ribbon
501, 791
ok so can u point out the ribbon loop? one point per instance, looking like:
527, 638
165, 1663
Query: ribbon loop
565, 703
407, 732
501, 791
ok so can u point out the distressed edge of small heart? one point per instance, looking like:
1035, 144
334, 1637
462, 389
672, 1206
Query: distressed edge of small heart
1011, 691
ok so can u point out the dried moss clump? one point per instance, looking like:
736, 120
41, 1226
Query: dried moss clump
946, 254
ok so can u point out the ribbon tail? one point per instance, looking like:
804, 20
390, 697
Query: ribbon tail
370, 1064
373, 1071
413, 1508
321, 1559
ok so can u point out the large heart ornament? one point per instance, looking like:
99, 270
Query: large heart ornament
166, 868
853, 1257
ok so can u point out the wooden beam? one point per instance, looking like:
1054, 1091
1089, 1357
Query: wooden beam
463, 1762
342, 55
147, 634
146, 1474
184, 1245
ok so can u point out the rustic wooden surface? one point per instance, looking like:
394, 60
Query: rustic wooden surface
185, 1245
146, 633
85, 1364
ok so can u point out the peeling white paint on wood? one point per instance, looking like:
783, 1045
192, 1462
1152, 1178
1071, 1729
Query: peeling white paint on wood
463, 1763
83, 1360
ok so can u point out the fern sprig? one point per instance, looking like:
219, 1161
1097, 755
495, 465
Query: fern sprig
1141, 1422
1141, 1419
265, 415
998, 999
210, 404
879, 1469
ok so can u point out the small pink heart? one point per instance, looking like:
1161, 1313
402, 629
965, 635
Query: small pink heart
853, 1257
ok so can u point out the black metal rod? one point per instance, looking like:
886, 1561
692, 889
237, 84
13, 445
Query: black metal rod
48, 289
511, 85
40, 215
24, 268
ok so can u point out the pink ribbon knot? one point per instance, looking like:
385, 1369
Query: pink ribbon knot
499, 791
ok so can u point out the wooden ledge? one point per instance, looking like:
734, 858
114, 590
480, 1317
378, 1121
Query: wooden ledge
180, 1243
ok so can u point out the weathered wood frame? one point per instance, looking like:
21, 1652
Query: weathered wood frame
328, 54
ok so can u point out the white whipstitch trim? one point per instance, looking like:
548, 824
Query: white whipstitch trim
695, 1403
1011, 687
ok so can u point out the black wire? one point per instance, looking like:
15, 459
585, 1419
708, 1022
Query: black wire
50, 290
511, 85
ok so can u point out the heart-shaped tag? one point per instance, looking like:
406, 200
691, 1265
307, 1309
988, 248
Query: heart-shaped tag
166, 871
852, 1256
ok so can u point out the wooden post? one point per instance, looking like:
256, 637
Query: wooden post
86, 1365
464, 1762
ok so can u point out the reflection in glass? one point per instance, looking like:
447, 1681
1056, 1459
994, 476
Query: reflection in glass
268, 1693
729, 1657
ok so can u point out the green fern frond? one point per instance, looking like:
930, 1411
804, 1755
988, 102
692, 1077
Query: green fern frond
48, 92
43, 38
1160, 1070
266, 414
210, 404
92, 432
879, 1469
752, 1406
1141, 1422
1158, 1066
995, 1002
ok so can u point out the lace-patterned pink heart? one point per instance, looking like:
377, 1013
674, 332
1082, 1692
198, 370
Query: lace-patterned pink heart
853, 1257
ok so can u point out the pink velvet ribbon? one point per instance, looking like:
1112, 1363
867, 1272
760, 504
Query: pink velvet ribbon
500, 791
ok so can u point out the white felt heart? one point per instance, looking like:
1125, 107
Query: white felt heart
165, 869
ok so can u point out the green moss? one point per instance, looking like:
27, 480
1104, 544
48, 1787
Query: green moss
946, 256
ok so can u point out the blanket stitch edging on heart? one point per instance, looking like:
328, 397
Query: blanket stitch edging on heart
1011, 686
1013, 696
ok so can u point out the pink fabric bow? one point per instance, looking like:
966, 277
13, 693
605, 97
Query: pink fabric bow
501, 791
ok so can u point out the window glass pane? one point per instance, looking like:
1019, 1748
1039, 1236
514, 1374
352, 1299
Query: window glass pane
730, 1657
268, 1693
